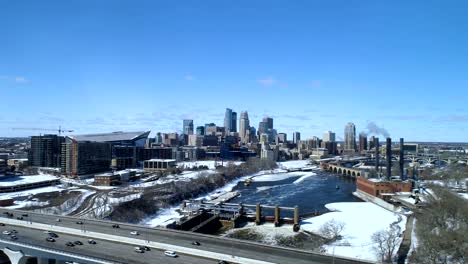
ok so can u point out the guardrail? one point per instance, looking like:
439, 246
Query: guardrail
57, 252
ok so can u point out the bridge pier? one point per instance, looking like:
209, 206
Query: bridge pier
277, 216
258, 214
16, 257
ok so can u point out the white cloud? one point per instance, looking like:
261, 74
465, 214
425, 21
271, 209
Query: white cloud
21, 79
189, 77
268, 81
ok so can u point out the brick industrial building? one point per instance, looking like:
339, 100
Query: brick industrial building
377, 187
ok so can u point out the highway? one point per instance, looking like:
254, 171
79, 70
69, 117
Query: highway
126, 254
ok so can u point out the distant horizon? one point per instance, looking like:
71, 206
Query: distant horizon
98, 66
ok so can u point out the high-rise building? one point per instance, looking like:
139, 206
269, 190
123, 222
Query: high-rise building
228, 120
188, 127
362, 142
158, 138
84, 157
329, 136
45, 151
200, 130
281, 138
350, 137
244, 125
296, 137
233, 122
269, 122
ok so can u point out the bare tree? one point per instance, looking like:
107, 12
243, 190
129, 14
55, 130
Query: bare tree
386, 243
332, 229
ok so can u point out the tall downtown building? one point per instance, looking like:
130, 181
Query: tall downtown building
188, 127
350, 137
230, 120
329, 136
244, 125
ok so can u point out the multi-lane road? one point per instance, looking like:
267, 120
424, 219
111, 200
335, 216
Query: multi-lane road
122, 252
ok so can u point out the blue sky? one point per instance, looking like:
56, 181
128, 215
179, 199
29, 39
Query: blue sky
100, 66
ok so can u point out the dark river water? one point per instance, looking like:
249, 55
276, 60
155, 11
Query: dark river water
310, 193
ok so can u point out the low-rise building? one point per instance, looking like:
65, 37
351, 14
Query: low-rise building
159, 164
377, 187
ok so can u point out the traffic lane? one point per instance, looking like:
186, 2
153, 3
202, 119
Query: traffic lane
215, 244
230, 247
113, 251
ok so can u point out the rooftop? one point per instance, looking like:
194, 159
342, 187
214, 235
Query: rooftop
19, 180
162, 160
111, 137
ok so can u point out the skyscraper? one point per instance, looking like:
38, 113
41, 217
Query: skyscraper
362, 142
296, 137
200, 130
188, 127
233, 122
228, 120
45, 151
350, 137
244, 125
269, 122
329, 136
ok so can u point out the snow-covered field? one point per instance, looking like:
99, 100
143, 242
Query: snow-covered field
282, 176
464, 195
29, 192
361, 219
18, 180
294, 164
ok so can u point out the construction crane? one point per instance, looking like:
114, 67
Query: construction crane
59, 130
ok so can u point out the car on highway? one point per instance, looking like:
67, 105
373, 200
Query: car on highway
135, 233
57, 220
25, 215
146, 248
139, 250
2, 224
52, 234
6, 232
196, 243
14, 231
115, 226
19, 218
223, 262
170, 253
70, 244
78, 243
50, 239
79, 222
13, 237
91, 241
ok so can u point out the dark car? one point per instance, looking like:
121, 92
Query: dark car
79, 223
53, 235
146, 248
115, 226
13, 237
78, 243
91, 241
14, 231
19, 218
196, 243
2, 224
25, 215
70, 244
222, 262
50, 239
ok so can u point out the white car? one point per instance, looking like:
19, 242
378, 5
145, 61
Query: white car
135, 233
170, 253
6, 232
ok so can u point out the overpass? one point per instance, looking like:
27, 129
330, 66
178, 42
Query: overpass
116, 245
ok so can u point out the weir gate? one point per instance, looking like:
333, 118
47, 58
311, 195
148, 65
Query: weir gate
207, 217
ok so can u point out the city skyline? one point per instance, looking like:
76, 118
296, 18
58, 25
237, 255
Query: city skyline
134, 67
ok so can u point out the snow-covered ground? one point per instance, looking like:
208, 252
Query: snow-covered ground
414, 240
282, 176
19, 180
164, 217
464, 195
361, 219
294, 164
25, 203
209, 163
29, 192
268, 230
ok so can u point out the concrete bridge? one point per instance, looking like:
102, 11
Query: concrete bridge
116, 245
345, 171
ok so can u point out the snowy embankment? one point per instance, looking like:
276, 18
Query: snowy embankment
20, 180
361, 219
414, 240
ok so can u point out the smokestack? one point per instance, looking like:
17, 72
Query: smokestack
376, 145
389, 158
402, 159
